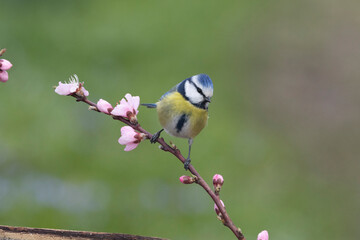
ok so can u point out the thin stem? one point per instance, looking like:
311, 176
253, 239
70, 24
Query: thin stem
176, 152
2, 51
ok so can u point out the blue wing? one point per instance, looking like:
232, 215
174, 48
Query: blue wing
170, 91
153, 105
179, 87
149, 105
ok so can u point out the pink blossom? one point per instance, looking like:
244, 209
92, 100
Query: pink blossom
4, 76
264, 235
74, 86
128, 108
4, 65
218, 181
130, 138
104, 106
187, 179
217, 209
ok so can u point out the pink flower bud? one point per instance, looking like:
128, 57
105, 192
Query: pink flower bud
104, 106
5, 64
217, 209
218, 181
74, 86
187, 179
127, 108
130, 138
264, 235
4, 76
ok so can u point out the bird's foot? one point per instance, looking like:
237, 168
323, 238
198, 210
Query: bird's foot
187, 163
156, 136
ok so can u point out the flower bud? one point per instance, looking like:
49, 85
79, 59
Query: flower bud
216, 209
218, 181
187, 179
104, 106
5, 64
4, 76
264, 235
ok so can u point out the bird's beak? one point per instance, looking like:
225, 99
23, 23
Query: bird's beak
208, 99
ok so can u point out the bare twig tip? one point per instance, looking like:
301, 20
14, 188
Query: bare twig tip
2, 51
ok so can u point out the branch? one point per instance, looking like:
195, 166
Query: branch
2, 51
224, 217
25, 233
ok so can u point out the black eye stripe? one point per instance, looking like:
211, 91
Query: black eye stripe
197, 88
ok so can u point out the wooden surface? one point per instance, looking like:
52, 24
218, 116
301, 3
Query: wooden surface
25, 233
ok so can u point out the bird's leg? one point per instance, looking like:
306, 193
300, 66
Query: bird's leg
155, 137
188, 160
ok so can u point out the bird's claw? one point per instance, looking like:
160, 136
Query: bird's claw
156, 136
187, 163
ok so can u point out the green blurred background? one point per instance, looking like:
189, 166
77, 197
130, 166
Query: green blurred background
283, 128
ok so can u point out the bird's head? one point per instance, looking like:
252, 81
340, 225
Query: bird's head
198, 90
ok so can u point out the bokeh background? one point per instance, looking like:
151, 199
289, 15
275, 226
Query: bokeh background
283, 128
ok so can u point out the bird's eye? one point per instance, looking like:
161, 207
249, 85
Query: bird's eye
198, 90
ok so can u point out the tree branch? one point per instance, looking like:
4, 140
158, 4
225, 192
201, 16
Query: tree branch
176, 152
25, 233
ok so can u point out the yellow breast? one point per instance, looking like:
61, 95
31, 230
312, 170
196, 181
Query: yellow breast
171, 109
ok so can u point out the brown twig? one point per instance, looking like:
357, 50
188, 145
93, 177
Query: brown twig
2, 51
176, 152
26, 233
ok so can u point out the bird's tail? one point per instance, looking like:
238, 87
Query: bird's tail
149, 105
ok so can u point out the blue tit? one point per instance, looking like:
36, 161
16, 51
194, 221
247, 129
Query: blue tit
183, 110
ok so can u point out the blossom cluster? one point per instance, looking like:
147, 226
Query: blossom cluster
72, 87
126, 108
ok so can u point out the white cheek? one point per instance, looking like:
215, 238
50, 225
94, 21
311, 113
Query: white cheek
192, 93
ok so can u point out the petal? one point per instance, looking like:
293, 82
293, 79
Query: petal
136, 101
63, 89
5, 64
121, 110
86, 92
103, 106
127, 135
129, 98
4, 76
264, 235
133, 101
123, 140
126, 130
73, 87
123, 101
130, 146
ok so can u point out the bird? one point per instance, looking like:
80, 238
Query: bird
183, 110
